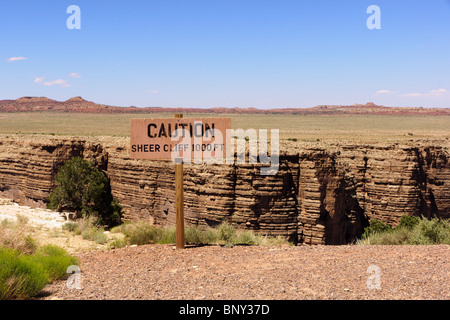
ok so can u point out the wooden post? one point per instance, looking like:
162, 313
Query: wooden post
179, 201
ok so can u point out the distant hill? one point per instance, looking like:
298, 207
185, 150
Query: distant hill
78, 104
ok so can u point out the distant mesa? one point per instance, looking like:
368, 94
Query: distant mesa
78, 104
34, 99
367, 105
76, 99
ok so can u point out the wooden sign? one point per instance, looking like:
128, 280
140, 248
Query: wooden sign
169, 138
179, 138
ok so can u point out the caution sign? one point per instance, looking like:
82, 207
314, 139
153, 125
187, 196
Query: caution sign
190, 139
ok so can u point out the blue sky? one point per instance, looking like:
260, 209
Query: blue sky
228, 53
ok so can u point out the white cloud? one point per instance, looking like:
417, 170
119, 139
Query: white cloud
438, 92
431, 93
60, 82
16, 59
412, 95
38, 79
153, 91
75, 75
384, 91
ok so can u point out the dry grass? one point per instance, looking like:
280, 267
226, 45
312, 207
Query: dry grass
140, 233
358, 128
17, 235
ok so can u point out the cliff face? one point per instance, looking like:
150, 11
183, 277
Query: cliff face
28, 166
319, 195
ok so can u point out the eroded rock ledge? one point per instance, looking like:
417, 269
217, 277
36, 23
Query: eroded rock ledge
320, 195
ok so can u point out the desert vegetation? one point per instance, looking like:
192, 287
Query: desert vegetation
226, 234
293, 128
410, 231
83, 188
25, 266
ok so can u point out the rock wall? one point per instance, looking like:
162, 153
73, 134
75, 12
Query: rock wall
28, 165
320, 195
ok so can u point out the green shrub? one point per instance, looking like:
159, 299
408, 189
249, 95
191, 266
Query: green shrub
391, 237
95, 234
245, 237
24, 275
70, 226
118, 243
82, 188
55, 261
434, 231
411, 230
88, 229
376, 226
408, 222
140, 233
20, 276
227, 232
195, 235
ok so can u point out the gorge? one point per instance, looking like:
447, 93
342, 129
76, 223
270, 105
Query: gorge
320, 194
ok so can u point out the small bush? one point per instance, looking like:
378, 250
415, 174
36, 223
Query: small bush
140, 233
20, 276
245, 237
166, 235
84, 224
88, 229
70, 226
95, 234
195, 235
408, 222
396, 237
227, 232
55, 261
434, 231
118, 243
376, 226
410, 230
24, 276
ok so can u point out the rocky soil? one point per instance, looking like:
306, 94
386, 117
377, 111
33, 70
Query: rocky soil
244, 272
241, 272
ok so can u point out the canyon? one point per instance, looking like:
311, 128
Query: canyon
321, 194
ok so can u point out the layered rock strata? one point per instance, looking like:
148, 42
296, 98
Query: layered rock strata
320, 195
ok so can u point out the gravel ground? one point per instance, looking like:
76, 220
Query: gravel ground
261, 273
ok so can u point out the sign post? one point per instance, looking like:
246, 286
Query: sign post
180, 140
179, 201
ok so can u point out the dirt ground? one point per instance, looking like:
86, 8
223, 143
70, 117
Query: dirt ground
261, 273
240, 272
